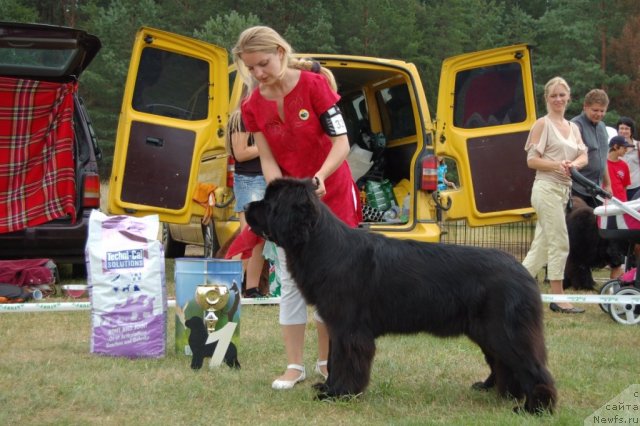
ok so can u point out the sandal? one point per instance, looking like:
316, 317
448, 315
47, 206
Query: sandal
319, 370
289, 384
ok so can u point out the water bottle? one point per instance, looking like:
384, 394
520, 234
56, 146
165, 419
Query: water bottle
376, 196
387, 188
391, 215
406, 204
37, 294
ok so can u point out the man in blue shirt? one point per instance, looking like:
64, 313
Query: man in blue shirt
595, 137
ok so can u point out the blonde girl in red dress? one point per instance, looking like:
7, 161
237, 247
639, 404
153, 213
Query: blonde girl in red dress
300, 132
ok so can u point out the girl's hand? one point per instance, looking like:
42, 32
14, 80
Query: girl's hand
566, 167
321, 191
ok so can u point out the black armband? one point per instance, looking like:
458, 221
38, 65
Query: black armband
333, 122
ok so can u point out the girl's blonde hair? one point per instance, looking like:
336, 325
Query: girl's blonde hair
233, 125
267, 40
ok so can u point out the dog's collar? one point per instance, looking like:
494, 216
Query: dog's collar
266, 236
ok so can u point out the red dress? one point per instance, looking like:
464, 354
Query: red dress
299, 143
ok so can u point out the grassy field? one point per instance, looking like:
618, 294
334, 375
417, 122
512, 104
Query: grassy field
48, 376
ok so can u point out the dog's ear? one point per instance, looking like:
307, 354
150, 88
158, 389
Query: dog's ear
293, 211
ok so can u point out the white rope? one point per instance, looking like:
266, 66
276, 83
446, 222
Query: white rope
84, 306
591, 298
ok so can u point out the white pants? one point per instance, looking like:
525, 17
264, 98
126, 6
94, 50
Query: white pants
293, 307
550, 244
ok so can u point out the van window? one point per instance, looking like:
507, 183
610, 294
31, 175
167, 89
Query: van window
489, 96
161, 88
356, 119
395, 106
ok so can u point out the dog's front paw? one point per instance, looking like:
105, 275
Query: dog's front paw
320, 387
481, 386
326, 394
519, 409
322, 391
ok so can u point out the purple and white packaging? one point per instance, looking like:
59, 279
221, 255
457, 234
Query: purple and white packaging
127, 289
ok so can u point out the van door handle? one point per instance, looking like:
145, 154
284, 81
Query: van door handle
159, 142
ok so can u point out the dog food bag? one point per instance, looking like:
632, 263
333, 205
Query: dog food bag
125, 267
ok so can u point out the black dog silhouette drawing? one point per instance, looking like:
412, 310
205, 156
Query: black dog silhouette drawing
197, 338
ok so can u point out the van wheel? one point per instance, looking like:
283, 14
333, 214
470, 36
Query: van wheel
211, 244
172, 248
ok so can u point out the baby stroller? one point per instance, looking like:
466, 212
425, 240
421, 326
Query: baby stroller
618, 220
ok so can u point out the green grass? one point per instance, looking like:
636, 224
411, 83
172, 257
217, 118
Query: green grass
48, 376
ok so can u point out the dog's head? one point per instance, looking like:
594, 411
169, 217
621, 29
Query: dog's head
287, 213
195, 324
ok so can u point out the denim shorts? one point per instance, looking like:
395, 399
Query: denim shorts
247, 189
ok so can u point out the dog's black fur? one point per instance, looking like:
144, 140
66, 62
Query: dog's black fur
365, 285
197, 338
587, 249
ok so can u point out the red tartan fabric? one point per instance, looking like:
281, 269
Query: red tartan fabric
37, 175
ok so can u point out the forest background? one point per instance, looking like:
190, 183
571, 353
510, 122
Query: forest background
591, 43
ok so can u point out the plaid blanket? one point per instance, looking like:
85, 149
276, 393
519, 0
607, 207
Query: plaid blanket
37, 174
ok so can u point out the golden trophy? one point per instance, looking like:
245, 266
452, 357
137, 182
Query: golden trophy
212, 297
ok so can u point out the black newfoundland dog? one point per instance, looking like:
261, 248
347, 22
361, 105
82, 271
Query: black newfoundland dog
587, 249
365, 285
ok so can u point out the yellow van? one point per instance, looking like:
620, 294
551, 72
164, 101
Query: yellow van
177, 99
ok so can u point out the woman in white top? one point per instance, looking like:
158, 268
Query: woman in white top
554, 146
626, 128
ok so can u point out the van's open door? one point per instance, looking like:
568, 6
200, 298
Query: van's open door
174, 108
486, 106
